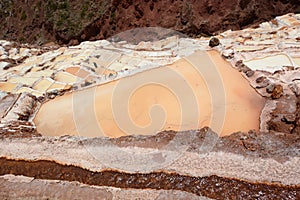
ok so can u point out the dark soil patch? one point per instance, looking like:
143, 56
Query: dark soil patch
212, 186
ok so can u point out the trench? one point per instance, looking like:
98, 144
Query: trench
210, 186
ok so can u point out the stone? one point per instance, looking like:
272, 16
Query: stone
239, 64
213, 42
270, 88
249, 73
228, 54
244, 68
277, 92
262, 82
260, 79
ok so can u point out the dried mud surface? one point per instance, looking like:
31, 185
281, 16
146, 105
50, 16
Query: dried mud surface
71, 22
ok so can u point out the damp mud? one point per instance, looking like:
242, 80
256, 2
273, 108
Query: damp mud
155, 100
213, 186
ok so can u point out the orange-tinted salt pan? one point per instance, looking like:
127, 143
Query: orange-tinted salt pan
175, 97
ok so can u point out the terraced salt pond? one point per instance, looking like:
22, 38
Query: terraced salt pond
271, 63
174, 97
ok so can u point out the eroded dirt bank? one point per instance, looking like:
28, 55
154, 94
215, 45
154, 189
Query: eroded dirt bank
39, 21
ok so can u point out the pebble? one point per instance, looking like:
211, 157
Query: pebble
277, 92
262, 82
249, 73
270, 88
228, 54
213, 42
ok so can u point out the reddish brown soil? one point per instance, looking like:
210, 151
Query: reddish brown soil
40, 21
212, 186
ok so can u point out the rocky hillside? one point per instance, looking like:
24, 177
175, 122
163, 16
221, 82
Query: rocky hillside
70, 22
